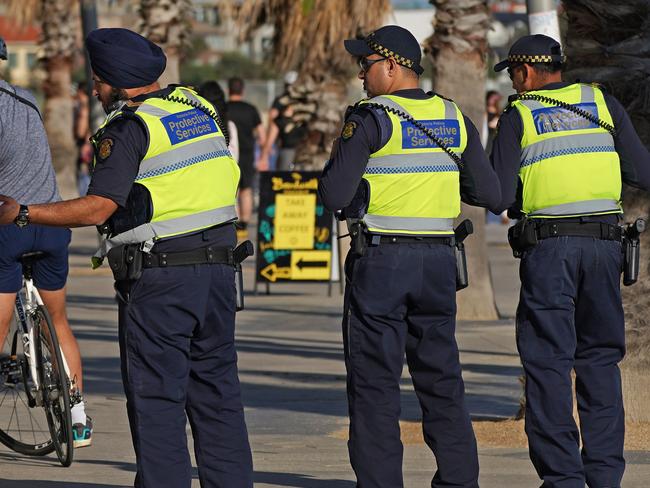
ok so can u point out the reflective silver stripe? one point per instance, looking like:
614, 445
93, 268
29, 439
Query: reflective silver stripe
532, 104
439, 160
179, 155
178, 226
190, 96
566, 145
423, 224
587, 94
151, 110
450, 110
586, 207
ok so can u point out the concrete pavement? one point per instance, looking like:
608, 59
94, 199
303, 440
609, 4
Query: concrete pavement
293, 379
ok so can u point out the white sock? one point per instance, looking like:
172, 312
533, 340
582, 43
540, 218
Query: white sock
78, 413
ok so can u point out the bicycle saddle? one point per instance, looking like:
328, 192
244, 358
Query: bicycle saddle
29, 257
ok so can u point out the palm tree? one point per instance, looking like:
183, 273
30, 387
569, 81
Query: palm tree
167, 23
458, 51
308, 37
607, 42
57, 48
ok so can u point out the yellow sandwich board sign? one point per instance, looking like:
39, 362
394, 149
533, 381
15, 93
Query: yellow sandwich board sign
294, 232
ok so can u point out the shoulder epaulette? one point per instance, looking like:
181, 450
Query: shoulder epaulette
132, 105
441, 96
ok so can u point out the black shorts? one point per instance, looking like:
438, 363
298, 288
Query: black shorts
247, 169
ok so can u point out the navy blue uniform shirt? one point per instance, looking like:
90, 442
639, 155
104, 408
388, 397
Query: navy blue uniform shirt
344, 171
113, 177
506, 153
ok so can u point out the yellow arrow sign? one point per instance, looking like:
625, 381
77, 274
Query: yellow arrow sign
272, 273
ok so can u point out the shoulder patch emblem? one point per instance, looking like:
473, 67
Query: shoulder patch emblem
348, 130
105, 148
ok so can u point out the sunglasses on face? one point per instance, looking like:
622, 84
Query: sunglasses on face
511, 70
365, 63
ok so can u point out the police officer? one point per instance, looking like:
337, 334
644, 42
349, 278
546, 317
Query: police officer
404, 190
561, 152
164, 186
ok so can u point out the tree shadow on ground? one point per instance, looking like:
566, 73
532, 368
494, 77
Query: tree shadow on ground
25, 483
299, 480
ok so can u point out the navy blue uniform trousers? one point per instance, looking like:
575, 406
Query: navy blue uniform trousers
178, 359
402, 298
570, 317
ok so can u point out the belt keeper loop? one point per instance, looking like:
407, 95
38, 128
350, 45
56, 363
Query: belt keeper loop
231, 257
554, 229
209, 255
162, 260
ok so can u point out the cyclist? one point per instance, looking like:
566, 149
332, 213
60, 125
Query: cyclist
26, 173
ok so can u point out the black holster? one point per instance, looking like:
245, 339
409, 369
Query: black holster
126, 262
631, 251
240, 253
522, 236
465, 229
359, 241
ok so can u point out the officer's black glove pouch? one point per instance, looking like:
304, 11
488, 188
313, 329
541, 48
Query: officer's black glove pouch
125, 262
522, 236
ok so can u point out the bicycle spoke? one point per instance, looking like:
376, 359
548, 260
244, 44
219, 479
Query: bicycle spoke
3, 398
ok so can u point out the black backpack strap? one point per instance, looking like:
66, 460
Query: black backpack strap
22, 100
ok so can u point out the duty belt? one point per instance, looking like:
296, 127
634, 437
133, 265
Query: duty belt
205, 255
599, 230
375, 239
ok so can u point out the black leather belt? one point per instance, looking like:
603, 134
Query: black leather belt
599, 230
374, 240
204, 255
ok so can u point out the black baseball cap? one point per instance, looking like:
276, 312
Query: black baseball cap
390, 41
537, 48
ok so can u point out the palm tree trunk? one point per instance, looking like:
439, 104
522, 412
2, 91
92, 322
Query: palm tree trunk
167, 23
607, 42
458, 50
58, 120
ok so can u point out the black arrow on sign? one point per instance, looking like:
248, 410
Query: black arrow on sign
311, 264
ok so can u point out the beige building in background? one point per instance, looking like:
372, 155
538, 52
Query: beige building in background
22, 53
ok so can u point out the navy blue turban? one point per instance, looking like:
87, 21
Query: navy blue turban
124, 59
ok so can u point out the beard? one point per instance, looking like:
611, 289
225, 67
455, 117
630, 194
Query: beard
117, 98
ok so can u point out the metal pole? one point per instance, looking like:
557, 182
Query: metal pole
542, 18
88, 12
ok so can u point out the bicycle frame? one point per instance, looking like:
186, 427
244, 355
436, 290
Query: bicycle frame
26, 305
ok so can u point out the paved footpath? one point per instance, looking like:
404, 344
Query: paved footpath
292, 373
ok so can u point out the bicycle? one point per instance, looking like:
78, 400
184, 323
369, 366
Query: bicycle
35, 377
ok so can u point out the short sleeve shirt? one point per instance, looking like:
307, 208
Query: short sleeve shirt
121, 148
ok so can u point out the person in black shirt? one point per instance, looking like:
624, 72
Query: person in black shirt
249, 129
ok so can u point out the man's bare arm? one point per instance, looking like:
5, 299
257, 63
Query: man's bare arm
79, 212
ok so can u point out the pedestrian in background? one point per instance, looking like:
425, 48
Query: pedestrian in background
249, 129
283, 129
402, 191
562, 152
213, 93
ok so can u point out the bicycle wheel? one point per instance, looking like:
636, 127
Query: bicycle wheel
23, 423
55, 386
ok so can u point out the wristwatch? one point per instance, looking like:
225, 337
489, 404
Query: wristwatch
23, 217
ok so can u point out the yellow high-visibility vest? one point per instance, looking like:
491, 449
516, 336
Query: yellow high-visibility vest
187, 169
569, 165
414, 184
